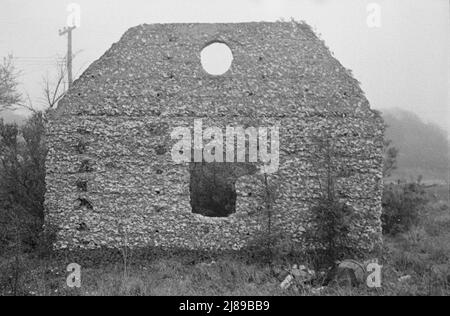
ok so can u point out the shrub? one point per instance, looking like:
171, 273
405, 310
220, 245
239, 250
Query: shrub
332, 220
22, 184
402, 205
331, 217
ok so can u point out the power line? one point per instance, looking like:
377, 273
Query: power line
35, 57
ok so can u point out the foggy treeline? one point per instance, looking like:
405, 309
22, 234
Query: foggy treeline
423, 147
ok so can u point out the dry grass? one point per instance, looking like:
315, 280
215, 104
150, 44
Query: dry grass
423, 253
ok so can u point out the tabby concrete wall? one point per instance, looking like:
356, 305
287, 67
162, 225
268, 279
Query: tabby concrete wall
110, 177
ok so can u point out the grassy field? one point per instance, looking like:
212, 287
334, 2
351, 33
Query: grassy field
414, 263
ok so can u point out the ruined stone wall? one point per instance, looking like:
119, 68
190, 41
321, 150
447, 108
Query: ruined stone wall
110, 177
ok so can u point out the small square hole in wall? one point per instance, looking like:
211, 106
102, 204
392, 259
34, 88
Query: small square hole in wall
80, 146
216, 58
84, 203
82, 185
86, 166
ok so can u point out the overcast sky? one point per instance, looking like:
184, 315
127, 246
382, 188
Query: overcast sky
404, 63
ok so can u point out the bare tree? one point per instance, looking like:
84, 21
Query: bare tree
55, 89
9, 96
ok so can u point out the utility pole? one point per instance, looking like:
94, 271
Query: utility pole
68, 30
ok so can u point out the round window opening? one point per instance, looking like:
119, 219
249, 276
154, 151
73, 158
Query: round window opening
216, 58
